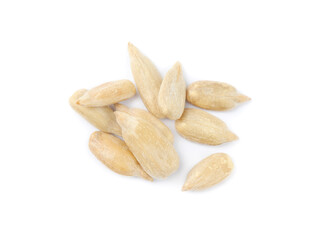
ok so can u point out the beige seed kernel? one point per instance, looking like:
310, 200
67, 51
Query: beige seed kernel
115, 154
147, 78
152, 149
145, 115
108, 93
172, 95
208, 172
214, 95
102, 118
199, 126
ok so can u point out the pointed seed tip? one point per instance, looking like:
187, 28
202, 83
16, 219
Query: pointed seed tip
132, 50
243, 98
185, 188
145, 176
232, 136
131, 46
150, 179
247, 98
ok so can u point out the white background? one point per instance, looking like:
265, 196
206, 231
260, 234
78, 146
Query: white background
52, 187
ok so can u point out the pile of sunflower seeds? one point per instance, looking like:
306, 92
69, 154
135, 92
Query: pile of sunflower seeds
135, 142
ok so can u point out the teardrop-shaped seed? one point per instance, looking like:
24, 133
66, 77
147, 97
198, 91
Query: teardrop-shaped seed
147, 78
108, 93
172, 95
115, 154
102, 118
199, 126
152, 149
214, 95
208, 172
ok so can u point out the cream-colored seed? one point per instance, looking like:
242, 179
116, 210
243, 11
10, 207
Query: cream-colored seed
214, 95
152, 149
147, 78
102, 118
172, 95
208, 172
108, 93
145, 115
115, 154
199, 126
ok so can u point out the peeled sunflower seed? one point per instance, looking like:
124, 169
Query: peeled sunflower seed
108, 93
102, 118
214, 95
115, 154
208, 172
147, 116
172, 94
152, 149
147, 78
199, 126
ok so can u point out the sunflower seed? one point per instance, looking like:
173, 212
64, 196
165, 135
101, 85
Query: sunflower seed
199, 126
147, 78
115, 154
172, 95
108, 93
214, 95
102, 118
152, 149
208, 172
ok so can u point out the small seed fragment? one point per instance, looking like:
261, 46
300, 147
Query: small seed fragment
102, 118
199, 126
152, 149
145, 115
147, 78
115, 154
172, 94
214, 95
108, 93
208, 172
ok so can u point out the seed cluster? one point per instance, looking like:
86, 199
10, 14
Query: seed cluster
145, 148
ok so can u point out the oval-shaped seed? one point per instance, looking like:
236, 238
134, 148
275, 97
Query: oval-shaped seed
214, 95
199, 126
208, 172
147, 78
140, 113
102, 118
172, 95
115, 154
152, 149
108, 93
